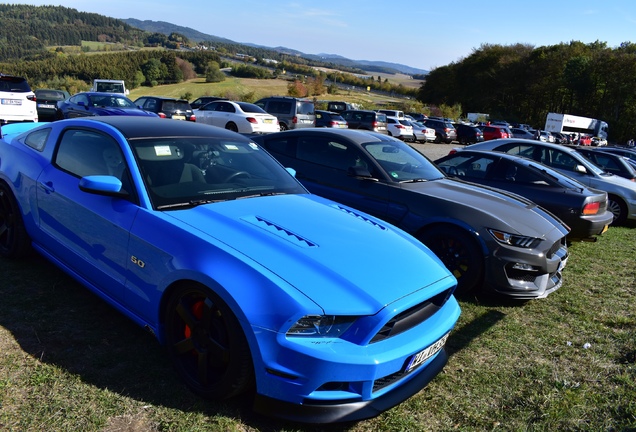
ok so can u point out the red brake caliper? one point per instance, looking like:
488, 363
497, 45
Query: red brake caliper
197, 311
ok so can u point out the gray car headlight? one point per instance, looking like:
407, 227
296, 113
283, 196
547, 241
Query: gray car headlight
514, 239
328, 326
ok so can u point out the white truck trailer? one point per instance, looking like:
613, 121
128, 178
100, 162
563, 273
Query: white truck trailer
568, 124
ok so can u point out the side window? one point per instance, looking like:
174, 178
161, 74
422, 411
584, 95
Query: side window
37, 139
331, 154
282, 146
478, 167
82, 153
562, 160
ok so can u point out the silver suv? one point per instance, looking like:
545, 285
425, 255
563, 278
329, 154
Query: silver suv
17, 101
291, 112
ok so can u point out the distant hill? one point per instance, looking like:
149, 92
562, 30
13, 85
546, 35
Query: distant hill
196, 36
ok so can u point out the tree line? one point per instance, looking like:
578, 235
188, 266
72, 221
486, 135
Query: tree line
522, 83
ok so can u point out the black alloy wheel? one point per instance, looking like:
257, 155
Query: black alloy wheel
206, 344
459, 253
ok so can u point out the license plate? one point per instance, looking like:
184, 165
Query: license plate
46, 106
381, 128
11, 101
268, 121
425, 354
178, 117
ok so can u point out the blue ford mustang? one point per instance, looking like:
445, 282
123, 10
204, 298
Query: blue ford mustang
324, 313
89, 104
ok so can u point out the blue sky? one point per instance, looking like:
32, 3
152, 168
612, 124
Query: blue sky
421, 34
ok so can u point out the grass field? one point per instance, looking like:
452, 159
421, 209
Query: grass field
69, 362
252, 90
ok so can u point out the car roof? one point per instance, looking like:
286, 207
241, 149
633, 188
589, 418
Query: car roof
356, 136
141, 127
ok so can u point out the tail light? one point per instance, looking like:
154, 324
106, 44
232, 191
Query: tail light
251, 120
399, 126
193, 118
295, 120
32, 98
162, 115
374, 124
333, 123
591, 208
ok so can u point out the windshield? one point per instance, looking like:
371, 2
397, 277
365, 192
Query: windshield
251, 108
112, 101
402, 163
182, 172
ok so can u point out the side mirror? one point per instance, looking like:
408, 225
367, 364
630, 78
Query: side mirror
102, 185
291, 171
580, 169
360, 172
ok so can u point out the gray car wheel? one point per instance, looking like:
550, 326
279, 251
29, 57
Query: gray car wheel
618, 209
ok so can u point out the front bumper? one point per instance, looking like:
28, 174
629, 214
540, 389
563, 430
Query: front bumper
335, 380
527, 273
350, 411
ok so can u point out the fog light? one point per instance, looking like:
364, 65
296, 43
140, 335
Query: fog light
524, 267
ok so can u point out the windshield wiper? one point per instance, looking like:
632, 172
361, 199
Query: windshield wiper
262, 194
191, 203
415, 180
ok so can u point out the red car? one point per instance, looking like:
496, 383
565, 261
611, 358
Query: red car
493, 132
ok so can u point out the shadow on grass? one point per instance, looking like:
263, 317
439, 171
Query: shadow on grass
57, 321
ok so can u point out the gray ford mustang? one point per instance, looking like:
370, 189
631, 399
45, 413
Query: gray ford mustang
486, 237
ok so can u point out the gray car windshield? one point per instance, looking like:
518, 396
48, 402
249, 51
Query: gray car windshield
188, 171
402, 163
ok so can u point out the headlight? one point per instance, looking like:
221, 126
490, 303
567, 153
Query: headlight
327, 326
514, 240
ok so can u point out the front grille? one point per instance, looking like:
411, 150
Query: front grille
521, 275
412, 317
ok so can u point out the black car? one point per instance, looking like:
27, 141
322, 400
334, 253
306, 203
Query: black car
204, 100
486, 237
444, 130
165, 107
582, 208
330, 119
468, 134
610, 162
47, 100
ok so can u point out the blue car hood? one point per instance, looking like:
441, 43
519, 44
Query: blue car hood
490, 207
338, 257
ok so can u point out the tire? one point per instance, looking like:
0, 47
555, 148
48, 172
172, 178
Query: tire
438, 138
14, 240
231, 126
618, 208
283, 127
459, 253
206, 344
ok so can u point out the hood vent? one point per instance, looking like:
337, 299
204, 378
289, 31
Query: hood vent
359, 216
280, 231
